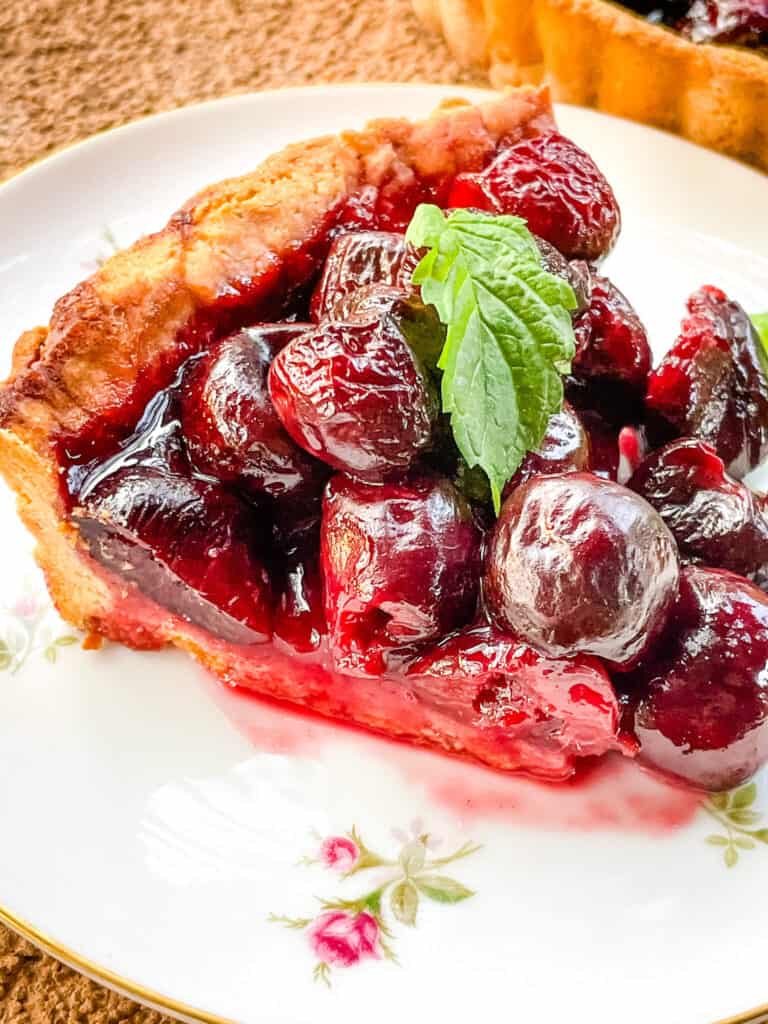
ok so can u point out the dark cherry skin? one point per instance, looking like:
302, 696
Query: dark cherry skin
611, 342
401, 565
565, 449
727, 21
356, 396
576, 272
358, 259
715, 520
546, 711
186, 543
578, 564
743, 22
700, 703
603, 444
555, 186
299, 617
713, 383
231, 428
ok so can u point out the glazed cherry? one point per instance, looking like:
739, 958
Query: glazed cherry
555, 186
576, 272
713, 383
611, 342
577, 564
357, 259
401, 566
544, 713
715, 520
186, 543
565, 449
727, 21
231, 428
299, 619
356, 396
701, 702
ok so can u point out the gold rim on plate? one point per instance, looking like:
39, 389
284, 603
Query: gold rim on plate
95, 972
165, 1004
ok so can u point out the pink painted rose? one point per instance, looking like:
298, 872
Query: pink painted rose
339, 853
341, 939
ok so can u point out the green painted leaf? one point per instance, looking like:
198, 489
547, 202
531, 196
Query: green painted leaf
744, 797
718, 840
731, 857
50, 653
404, 902
412, 857
760, 320
509, 333
442, 889
65, 641
720, 800
744, 817
6, 658
761, 834
744, 844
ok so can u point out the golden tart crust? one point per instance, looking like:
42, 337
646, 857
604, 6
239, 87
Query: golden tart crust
113, 330
599, 54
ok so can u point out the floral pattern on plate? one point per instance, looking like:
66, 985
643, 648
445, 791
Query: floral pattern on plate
31, 626
348, 931
735, 813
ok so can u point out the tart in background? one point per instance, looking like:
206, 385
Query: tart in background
600, 54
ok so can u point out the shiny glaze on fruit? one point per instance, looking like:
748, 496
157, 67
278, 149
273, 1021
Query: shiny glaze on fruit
288, 490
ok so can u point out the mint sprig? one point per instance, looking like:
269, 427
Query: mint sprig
509, 333
760, 320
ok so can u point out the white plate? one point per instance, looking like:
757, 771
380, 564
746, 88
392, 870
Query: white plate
152, 821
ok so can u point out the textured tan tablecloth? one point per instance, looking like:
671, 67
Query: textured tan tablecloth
69, 68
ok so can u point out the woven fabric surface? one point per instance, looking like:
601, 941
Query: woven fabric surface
74, 67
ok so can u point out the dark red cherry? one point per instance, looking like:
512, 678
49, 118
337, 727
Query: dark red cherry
701, 701
576, 272
713, 383
580, 564
186, 543
727, 21
231, 428
299, 618
356, 396
565, 449
543, 713
358, 259
715, 520
611, 342
401, 566
604, 456
555, 186
418, 324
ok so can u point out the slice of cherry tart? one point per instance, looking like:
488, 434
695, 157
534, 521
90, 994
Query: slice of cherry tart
316, 432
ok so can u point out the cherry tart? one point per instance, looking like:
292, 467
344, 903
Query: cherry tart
695, 67
232, 439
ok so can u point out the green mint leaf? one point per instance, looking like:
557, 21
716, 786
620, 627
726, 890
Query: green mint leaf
760, 320
509, 334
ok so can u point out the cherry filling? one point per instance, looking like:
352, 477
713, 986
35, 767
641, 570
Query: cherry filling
711, 21
715, 520
295, 492
712, 383
700, 706
545, 712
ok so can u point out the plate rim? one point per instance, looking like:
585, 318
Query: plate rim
39, 938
